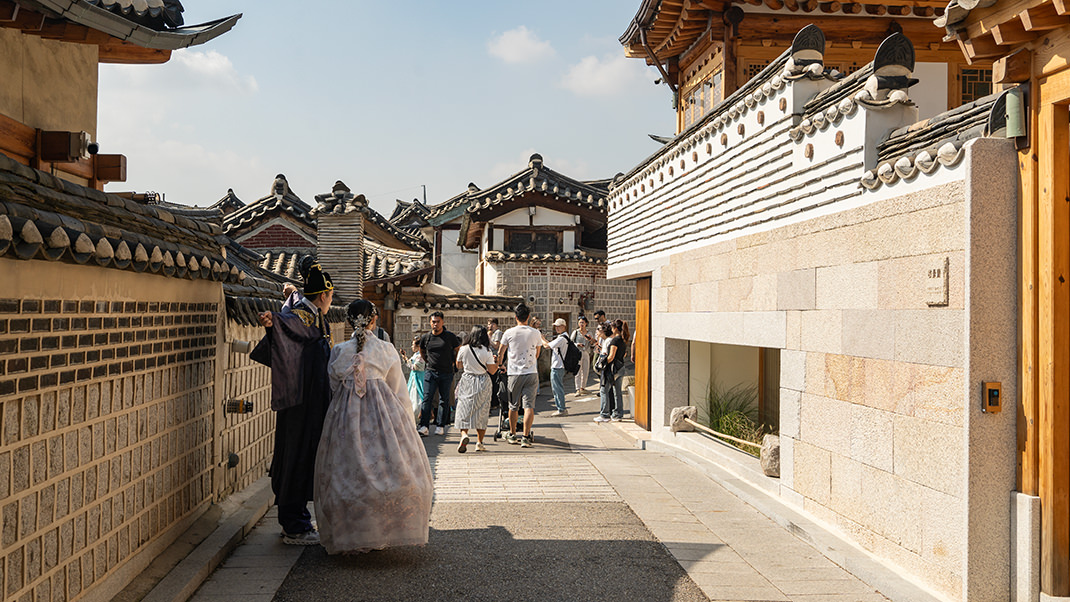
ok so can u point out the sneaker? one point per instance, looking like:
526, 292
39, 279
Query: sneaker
601, 418
525, 442
481, 447
439, 430
463, 445
511, 438
422, 431
308, 538
559, 413
617, 418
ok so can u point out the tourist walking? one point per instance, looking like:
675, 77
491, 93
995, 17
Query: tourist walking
610, 364
477, 365
299, 344
558, 346
417, 367
522, 343
372, 477
586, 344
439, 351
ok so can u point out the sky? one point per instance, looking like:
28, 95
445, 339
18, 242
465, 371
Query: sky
385, 96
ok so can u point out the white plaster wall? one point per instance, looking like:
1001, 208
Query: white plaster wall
458, 267
930, 93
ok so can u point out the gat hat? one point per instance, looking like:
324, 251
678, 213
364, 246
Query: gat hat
318, 281
560, 322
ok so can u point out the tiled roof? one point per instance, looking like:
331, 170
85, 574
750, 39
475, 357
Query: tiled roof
382, 262
43, 217
926, 145
157, 14
460, 302
154, 24
403, 211
228, 204
287, 203
342, 200
539, 179
576, 256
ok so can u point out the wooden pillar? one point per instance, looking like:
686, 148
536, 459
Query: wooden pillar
732, 18
1053, 236
641, 411
1028, 419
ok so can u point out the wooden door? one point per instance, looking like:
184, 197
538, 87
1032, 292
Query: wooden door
642, 353
1053, 258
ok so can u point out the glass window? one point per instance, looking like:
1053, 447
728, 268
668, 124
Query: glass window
532, 241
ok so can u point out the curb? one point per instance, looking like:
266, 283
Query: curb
241, 512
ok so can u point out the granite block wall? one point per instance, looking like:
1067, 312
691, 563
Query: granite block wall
557, 287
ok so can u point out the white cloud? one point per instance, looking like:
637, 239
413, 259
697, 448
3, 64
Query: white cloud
605, 76
519, 46
214, 69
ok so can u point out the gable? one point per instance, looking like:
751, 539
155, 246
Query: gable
277, 233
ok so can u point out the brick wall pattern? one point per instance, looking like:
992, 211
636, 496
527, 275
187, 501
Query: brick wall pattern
105, 435
551, 283
276, 236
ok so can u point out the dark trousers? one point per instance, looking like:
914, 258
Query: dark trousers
295, 518
440, 382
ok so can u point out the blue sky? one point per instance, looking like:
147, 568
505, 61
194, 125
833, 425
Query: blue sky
384, 96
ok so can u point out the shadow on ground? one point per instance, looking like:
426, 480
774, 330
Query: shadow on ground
506, 552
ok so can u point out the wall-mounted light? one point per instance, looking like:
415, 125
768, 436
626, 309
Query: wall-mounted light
389, 304
531, 210
241, 346
576, 218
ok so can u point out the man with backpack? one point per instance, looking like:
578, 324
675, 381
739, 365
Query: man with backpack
565, 357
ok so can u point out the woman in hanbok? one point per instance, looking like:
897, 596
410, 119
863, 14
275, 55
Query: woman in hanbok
373, 479
417, 367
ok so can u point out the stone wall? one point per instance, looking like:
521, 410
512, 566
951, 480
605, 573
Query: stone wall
875, 383
558, 286
107, 380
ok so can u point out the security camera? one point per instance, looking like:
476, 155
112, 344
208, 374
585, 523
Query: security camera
92, 148
531, 299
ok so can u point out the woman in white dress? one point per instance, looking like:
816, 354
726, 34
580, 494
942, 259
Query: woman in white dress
373, 480
476, 362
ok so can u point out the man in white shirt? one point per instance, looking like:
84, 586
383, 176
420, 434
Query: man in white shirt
558, 346
522, 343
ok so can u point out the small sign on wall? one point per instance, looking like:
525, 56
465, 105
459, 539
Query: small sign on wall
936, 289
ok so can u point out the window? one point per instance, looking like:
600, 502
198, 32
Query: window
532, 241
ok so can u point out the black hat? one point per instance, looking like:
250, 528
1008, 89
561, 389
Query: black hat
318, 281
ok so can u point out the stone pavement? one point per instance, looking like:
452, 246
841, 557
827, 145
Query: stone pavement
584, 514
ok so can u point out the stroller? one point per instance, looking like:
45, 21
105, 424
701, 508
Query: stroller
500, 382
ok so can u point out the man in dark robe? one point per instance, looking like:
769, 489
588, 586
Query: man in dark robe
300, 345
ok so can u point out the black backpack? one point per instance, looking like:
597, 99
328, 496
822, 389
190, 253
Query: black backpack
572, 356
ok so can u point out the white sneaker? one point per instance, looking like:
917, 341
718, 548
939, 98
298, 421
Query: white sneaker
601, 418
617, 418
422, 431
559, 413
481, 447
439, 430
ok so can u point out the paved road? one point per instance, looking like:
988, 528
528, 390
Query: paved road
583, 515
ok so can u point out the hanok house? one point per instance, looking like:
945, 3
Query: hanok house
1029, 42
811, 236
117, 369
538, 235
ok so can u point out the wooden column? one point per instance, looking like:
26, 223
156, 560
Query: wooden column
1053, 237
1028, 419
732, 18
641, 411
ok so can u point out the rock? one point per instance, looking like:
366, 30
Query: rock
676, 419
771, 455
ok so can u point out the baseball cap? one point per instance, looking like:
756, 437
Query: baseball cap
560, 322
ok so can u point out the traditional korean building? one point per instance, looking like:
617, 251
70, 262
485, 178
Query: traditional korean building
842, 238
538, 235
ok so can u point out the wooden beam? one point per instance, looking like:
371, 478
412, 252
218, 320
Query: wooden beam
808, 6
981, 48
17, 140
9, 11
775, 4
876, 9
1011, 33
129, 54
1053, 140
1015, 68
1042, 18
792, 5
830, 7
852, 8
1062, 7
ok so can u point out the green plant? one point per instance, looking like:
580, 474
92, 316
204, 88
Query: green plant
733, 411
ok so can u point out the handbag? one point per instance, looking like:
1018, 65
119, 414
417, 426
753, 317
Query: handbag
600, 363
